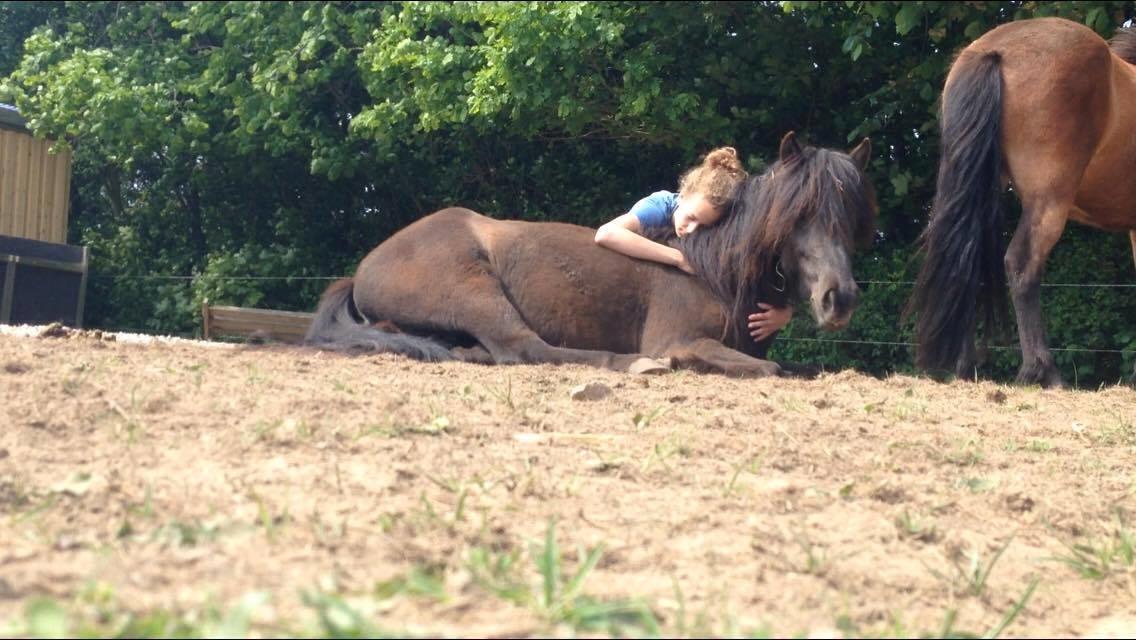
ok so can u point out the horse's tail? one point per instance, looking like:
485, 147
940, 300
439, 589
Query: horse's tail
963, 275
339, 326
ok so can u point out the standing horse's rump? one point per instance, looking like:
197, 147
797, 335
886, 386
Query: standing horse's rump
1047, 106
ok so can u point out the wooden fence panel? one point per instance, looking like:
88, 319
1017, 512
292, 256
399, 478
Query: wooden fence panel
34, 188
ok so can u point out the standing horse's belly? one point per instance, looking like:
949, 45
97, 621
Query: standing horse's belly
1106, 197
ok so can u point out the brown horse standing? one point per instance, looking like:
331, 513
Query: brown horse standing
463, 286
1046, 105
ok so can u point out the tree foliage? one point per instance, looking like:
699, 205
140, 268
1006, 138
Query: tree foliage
240, 151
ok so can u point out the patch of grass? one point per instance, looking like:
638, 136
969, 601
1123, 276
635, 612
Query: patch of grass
1119, 433
976, 484
1099, 558
198, 371
706, 625
643, 420
178, 533
911, 527
269, 521
816, 561
662, 451
972, 572
896, 628
558, 595
875, 407
426, 581
96, 613
965, 454
437, 425
503, 394
72, 384
910, 409
336, 618
751, 465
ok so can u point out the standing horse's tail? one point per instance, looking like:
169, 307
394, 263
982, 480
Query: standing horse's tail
963, 275
339, 326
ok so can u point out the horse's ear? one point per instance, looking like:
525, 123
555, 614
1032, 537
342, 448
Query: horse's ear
862, 153
789, 146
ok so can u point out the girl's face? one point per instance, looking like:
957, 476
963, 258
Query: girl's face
694, 211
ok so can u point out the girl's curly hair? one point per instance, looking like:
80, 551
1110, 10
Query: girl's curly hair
716, 178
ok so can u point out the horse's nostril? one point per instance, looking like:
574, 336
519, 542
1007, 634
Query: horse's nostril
829, 300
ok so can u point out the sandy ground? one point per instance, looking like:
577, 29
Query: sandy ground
172, 476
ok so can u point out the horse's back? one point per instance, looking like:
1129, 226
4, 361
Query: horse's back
568, 290
571, 291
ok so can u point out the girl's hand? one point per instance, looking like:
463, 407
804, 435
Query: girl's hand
770, 320
684, 265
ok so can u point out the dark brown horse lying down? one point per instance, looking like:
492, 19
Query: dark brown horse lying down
459, 285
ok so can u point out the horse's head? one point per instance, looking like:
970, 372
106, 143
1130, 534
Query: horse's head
823, 207
791, 233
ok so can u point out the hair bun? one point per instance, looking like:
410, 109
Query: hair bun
724, 158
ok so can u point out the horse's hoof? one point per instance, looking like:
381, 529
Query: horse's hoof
649, 366
769, 368
1045, 377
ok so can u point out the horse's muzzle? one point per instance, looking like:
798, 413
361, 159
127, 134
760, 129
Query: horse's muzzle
834, 309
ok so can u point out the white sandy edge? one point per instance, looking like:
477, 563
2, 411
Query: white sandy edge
34, 331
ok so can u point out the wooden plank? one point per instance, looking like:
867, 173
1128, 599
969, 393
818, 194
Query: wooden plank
34, 208
7, 182
20, 188
286, 326
65, 214
45, 208
206, 323
61, 196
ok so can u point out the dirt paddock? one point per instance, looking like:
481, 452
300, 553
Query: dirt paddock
282, 491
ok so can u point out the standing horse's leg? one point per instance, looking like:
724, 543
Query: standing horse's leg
1132, 239
1038, 230
708, 355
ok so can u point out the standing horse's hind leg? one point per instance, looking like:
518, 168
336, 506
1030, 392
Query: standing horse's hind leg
1132, 238
1038, 231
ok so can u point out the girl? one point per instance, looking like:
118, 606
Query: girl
703, 193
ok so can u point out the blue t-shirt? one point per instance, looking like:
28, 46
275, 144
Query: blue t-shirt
656, 210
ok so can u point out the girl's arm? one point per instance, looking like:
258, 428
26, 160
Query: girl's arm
622, 235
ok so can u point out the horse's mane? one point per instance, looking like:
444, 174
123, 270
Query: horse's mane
737, 257
1123, 44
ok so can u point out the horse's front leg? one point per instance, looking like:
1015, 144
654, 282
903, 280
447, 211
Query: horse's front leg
1038, 230
708, 355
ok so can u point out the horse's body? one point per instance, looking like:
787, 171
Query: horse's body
460, 285
1046, 106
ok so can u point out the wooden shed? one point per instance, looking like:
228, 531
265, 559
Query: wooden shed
42, 279
35, 184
